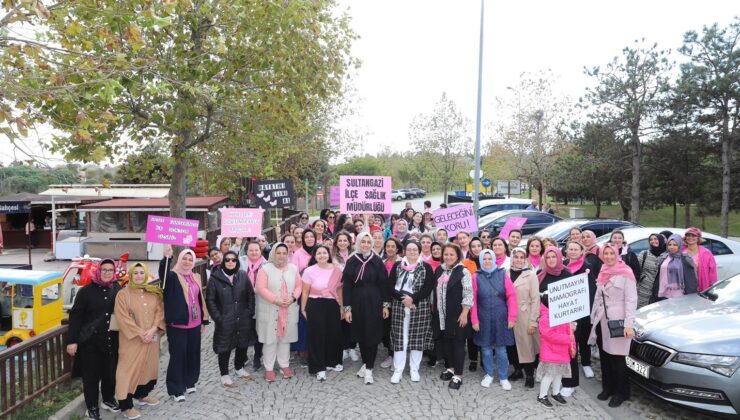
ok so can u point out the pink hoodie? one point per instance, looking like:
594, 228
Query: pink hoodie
555, 342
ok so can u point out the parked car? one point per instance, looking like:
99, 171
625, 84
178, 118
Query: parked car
407, 191
536, 220
486, 207
397, 195
560, 231
686, 350
726, 251
419, 192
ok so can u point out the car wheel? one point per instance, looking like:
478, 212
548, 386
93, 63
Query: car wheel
13, 341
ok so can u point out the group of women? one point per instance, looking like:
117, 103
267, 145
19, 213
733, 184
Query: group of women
326, 290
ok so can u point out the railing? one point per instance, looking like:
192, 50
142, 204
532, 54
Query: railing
31, 367
289, 216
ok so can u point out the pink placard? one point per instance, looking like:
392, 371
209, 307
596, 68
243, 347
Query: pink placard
241, 223
171, 230
456, 218
365, 194
334, 196
511, 224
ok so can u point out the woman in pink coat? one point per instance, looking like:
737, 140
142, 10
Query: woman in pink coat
706, 266
616, 299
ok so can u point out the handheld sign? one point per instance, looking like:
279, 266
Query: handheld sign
456, 218
274, 193
241, 223
365, 194
171, 230
334, 196
511, 224
568, 299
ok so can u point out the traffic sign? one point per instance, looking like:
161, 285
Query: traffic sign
486, 182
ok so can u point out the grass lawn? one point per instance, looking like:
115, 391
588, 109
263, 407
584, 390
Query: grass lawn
658, 217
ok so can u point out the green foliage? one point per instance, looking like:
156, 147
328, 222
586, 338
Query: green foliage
25, 178
362, 165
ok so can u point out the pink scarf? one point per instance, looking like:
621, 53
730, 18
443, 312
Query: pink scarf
619, 268
555, 271
535, 260
575, 265
253, 267
500, 259
282, 324
408, 267
362, 267
594, 249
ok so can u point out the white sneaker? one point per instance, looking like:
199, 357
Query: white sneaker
506, 385
487, 381
361, 372
337, 368
368, 376
415, 377
588, 372
321, 376
396, 378
353, 355
345, 355
388, 362
178, 398
567, 392
190, 390
227, 382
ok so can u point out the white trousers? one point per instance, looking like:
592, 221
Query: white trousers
399, 357
279, 350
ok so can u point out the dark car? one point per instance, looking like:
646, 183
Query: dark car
560, 231
419, 192
536, 220
409, 193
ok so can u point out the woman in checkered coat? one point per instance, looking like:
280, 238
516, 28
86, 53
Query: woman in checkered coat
411, 311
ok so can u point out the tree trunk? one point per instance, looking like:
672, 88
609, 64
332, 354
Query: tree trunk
636, 158
675, 212
539, 191
598, 207
444, 198
178, 185
726, 166
687, 213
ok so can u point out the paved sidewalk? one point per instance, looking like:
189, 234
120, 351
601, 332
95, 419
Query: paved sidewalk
344, 395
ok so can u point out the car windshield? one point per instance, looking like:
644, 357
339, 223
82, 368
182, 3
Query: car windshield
724, 291
552, 231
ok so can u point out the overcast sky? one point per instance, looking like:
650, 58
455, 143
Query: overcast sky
414, 50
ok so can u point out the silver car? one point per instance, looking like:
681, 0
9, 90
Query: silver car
687, 350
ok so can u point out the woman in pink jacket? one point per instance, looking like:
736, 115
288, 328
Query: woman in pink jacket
557, 347
493, 316
616, 299
706, 266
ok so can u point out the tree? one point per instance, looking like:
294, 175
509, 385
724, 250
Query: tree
241, 78
629, 90
362, 165
711, 78
441, 139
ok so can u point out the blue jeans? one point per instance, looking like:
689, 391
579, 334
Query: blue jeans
502, 361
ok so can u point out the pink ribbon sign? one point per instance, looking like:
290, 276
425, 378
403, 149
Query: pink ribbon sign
171, 230
455, 219
334, 196
365, 194
511, 224
241, 223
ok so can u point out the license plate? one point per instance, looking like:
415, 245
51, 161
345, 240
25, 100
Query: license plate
640, 368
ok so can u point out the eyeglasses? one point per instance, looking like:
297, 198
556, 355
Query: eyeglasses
107, 270
230, 259
304, 218
330, 217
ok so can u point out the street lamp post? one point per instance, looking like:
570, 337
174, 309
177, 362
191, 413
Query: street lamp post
476, 179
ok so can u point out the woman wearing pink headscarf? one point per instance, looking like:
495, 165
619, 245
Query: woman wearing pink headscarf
186, 316
706, 266
616, 299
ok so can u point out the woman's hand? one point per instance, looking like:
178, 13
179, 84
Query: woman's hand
531, 330
511, 324
462, 321
476, 327
386, 313
348, 317
408, 301
72, 349
303, 311
629, 332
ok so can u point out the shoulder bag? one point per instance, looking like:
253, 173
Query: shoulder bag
616, 326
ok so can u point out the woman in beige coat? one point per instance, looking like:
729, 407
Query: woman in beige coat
140, 317
278, 286
526, 284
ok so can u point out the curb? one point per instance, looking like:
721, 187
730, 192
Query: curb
77, 406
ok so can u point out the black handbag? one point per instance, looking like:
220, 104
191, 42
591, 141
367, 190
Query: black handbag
616, 326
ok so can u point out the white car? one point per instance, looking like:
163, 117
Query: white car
491, 205
397, 195
726, 251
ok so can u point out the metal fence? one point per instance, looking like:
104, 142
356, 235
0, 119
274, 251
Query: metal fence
32, 367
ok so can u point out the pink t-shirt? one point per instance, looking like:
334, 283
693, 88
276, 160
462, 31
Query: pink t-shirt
321, 283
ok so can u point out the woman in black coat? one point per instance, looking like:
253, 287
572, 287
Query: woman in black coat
453, 299
90, 341
366, 298
230, 302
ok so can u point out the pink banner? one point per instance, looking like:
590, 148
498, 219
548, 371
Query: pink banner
456, 218
511, 224
365, 194
334, 196
241, 223
171, 230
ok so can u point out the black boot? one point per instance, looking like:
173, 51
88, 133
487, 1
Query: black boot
473, 366
529, 382
516, 375
93, 413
